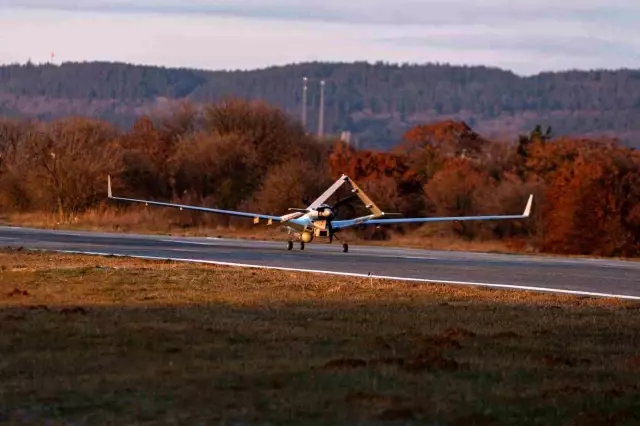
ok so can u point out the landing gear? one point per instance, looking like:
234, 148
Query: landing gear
345, 246
300, 238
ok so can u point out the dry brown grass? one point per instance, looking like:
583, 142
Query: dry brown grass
156, 221
92, 340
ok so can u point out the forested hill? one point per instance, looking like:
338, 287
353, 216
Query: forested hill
376, 102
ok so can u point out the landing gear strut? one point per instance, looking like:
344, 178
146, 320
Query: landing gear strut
345, 246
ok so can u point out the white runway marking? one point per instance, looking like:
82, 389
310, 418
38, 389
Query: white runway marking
419, 257
351, 274
195, 243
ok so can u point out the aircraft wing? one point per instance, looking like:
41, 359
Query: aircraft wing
328, 193
368, 220
194, 208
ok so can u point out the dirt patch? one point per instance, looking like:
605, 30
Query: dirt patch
387, 362
457, 333
396, 414
558, 361
383, 407
506, 335
16, 292
74, 311
14, 317
475, 420
374, 400
344, 364
564, 391
430, 362
616, 417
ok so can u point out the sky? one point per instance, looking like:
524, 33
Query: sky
524, 36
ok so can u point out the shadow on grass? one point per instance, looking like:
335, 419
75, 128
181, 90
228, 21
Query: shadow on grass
350, 362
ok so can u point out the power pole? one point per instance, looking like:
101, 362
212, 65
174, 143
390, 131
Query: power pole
321, 118
304, 102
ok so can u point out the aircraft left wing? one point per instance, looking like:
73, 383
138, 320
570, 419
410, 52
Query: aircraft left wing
194, 208
372, 220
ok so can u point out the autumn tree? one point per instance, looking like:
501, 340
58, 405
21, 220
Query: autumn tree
148, 147
216, 168
592, 205
289, 183
13, 138
64, 166
459, 189
274, 135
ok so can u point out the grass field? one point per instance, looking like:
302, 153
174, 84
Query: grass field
92, 340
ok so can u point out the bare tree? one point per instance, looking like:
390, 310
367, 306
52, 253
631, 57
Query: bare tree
68, 163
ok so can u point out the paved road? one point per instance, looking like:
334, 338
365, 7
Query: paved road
583, 276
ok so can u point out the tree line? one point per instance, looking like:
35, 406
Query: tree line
377, 102
252, 156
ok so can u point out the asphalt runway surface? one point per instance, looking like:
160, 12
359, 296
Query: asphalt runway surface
595, 277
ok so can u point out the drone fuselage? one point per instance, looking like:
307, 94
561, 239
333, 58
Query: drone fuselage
311, 224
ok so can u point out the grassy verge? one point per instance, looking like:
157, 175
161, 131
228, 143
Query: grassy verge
91, 340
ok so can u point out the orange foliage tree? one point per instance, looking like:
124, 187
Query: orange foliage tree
592, 205
249, 155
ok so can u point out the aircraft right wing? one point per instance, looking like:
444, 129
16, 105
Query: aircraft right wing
372, 220
194, 208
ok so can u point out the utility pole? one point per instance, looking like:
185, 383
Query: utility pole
304, 102
321, 118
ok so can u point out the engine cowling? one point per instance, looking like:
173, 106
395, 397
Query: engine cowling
323, 212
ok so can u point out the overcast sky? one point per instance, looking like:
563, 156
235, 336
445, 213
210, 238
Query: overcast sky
526, 36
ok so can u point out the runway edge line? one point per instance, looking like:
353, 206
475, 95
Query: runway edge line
357, 275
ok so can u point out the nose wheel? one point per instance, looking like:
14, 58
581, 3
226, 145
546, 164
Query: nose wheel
301, 245
345, 247
289, 245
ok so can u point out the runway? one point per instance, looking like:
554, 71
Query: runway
594, 277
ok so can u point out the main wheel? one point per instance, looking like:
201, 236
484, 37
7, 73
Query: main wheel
301, 245
345, 247
289, 245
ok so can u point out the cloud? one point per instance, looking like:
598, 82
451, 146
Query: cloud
384, 12
526, 37
580, 46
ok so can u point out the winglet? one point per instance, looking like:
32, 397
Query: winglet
109, 193
527, 209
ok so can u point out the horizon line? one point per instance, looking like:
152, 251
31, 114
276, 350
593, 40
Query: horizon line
331, 62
